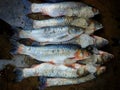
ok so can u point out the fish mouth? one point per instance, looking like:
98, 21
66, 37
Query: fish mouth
105, 42
107, 57
98, 26
100, 70
96, 11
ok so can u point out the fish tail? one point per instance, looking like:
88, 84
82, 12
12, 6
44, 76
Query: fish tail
17, 48
42, 82
27, 5
19, 75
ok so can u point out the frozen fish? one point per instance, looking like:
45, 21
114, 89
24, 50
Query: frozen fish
60, 71
64, 9
75, 21
83, 40
58, 54
51, 34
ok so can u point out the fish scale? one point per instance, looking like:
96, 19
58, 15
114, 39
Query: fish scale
52, 34
56, 53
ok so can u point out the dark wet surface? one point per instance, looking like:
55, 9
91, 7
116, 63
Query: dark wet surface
110, 80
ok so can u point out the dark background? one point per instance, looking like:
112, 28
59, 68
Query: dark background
110, 80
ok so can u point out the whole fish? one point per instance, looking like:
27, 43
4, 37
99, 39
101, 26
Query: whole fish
99, 59
65, 9
51, 70
75, 21
52, 34
47, 82
83, 40
57, 54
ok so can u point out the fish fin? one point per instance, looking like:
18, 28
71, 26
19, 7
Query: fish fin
74, 65
69, 61
17, 48
42, 82
51, 62
16, 31
18, 73
77, 55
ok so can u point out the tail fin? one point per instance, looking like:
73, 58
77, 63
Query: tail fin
19, 75
42, 84
17, 48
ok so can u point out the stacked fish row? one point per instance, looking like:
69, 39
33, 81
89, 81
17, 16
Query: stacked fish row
67, 45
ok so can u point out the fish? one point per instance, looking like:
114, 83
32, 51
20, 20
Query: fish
65, 9
99, 59
48, 82
56, 54
61, 21
83, 40
51, 33
59, 71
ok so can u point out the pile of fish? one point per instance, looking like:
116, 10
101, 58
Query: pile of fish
65, 44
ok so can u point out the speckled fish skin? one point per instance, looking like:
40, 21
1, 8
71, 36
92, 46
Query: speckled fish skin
62, 71
65, 9
66, 81
84, 41
56, 6
52, 34
57, 54
75, 21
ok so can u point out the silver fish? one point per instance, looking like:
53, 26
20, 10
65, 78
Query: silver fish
65, 8
51, 70
48, 82
75, 21
57, 54
83, 40
52, 34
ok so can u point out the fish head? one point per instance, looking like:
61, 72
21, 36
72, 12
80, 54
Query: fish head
103, 57
106, 56
98, 25
99, 41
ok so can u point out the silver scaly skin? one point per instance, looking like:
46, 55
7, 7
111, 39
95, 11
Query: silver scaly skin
57, 54
59, 71
65, 9
52, 34
84, 41
75, 21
